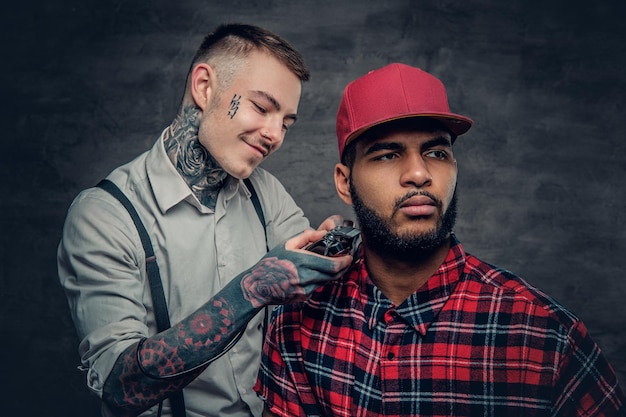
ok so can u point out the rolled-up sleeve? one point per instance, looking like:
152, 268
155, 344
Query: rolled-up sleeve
99, 269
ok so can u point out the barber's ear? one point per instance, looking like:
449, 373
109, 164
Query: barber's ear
342, 183
202, 84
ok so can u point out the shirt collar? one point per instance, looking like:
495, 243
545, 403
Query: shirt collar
423, 306
169, 187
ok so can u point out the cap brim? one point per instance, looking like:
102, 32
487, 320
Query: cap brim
456, 123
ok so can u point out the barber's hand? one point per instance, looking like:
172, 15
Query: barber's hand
288, 274
331, 222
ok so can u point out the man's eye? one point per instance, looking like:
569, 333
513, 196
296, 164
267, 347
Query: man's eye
259, 108
386, 157
438, 154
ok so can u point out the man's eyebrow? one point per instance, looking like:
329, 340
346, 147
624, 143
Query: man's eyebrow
384, 146
396, 146
437, 141
267, 96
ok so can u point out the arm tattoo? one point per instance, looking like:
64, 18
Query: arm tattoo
204, 330
274, 279
198, 168
142, 376
170, 360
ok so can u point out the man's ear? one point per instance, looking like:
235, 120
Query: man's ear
202, 84
342, 183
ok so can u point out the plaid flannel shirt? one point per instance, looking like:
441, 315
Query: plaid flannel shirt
475, 340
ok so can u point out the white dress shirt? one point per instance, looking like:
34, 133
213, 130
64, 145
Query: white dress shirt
199, 250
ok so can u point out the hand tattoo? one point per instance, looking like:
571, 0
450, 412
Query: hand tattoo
272, 279
285, 276
195, 164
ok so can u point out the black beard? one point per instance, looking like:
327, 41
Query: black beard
379, 237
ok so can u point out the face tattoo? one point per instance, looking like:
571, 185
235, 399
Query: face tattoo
234, 105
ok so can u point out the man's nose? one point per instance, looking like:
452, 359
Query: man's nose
273, 131
415, 171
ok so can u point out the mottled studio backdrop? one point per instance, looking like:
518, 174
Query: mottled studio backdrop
87, 85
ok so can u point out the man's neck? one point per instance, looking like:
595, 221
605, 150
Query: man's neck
398, 279
204, 176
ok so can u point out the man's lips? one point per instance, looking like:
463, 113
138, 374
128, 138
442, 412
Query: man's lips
260, 149
419, 205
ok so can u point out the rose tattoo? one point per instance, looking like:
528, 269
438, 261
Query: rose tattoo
272, 281
195, 164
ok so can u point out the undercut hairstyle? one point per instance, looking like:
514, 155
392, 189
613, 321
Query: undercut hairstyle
425, 124
226, 48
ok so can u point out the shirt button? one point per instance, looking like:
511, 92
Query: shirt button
391, 356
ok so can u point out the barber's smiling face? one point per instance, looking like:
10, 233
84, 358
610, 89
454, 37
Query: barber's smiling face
404, 177
244, 123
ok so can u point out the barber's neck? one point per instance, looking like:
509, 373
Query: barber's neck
204, 176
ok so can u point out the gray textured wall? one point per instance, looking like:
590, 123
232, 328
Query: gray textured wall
87, 85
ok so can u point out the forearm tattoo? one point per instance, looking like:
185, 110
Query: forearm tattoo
171, 359
168, 361
204, 331
198, 168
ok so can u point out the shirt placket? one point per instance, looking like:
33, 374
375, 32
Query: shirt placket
389, 363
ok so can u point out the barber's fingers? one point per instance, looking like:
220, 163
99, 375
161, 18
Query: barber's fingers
303, 239
306, 260
331, 222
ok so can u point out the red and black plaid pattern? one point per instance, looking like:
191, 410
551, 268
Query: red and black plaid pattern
474, 341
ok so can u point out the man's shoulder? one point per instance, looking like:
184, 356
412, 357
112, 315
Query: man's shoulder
95, 212
332, 298
287, 314
515, 290
123, 176
94, 199
264, 179
280, 208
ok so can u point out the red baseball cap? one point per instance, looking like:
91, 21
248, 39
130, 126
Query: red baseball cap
393, 92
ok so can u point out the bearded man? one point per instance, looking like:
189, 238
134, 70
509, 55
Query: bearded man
417, 326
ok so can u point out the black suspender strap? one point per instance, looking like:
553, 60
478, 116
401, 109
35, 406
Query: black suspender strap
152, 268
259, 211
257, 206
177, 399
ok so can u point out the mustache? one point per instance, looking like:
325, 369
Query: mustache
401, 200
258, 142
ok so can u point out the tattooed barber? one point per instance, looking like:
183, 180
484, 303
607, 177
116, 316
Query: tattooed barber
241, 97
